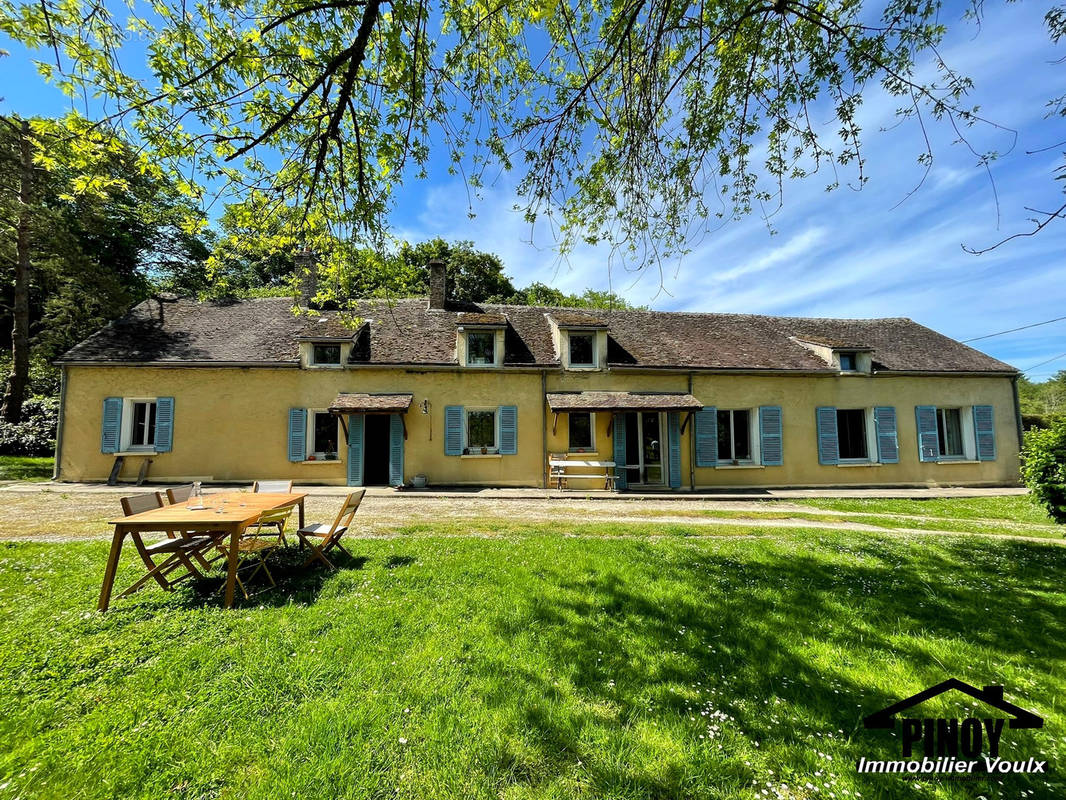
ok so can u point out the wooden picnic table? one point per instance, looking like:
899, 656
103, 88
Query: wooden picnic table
558, 468
179, 517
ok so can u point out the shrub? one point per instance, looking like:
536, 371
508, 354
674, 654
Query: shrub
36, 434
1044, 467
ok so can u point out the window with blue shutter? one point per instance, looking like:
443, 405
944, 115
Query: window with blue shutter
297, 434
705, 429
111, 430
985, 432
928, 443
828, 442
619, 424
673, 440
164, 424
355, 450
887, 439
770, 436
508, 430
453, 430
395, 450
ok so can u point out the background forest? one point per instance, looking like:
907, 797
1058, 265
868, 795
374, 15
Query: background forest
83, 247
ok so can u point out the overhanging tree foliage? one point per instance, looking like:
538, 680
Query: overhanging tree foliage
630, 121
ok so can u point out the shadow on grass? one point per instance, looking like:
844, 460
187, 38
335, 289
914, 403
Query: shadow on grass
296, 581
651, 646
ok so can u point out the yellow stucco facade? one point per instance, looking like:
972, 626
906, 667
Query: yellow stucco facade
232, 423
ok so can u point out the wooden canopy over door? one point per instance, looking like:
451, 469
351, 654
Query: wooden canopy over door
351, 408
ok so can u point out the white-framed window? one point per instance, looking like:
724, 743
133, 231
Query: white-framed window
949, 432
480, 348
582, 349
480, 430
139, 417
734, 435
853, 434
325, 354
323, 435
581, 431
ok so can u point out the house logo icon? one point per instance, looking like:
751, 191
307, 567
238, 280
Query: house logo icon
941, 746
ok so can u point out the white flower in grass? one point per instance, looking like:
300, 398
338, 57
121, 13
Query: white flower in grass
402, 740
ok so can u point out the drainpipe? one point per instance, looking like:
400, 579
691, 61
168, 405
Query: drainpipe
691, 445
544, 428
1017, 410
59, 421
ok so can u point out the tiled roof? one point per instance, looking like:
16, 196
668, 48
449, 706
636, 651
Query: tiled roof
405, 332
621, 401
475, 318
356, 402
576, 319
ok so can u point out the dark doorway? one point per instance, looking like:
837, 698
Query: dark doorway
376, 450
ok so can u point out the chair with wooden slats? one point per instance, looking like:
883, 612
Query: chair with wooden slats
179, 550
322, 538
179, 494
274, 487
255, 544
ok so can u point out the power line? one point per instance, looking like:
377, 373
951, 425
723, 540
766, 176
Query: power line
1042, 363
1012, 330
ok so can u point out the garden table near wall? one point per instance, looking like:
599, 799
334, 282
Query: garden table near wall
179, 517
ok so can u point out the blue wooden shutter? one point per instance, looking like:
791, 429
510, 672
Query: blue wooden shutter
887, 439
705, 429
828, 443
164, 424
297, 434
355, 450
770, 436
620, 451
984, 429
928, 445
508, 430
453, 430
673, 437
395, 450
111, 430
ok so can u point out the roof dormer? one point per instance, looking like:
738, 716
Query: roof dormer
479, 340
848, 359
580, 339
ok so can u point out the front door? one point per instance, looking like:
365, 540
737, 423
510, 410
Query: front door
376, 451
644, 448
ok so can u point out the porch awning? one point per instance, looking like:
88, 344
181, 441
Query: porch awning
561, 402
359, 403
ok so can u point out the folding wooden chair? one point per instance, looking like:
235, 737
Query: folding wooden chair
274, 487
178, 550
254, 545
179, 494
323, 538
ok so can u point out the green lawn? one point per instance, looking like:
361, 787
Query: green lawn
26, 468
1013, 508
526, 665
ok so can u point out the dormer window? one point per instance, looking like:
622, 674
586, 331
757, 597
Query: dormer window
582, 349
326, 355
849, 361
481, 348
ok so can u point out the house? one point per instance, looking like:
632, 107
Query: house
481, 395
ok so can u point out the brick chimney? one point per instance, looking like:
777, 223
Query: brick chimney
438, 285
306, 275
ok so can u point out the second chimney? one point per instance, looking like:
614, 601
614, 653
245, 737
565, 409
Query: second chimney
438, 285
306, 275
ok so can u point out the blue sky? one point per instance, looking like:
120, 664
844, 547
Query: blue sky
875, 252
